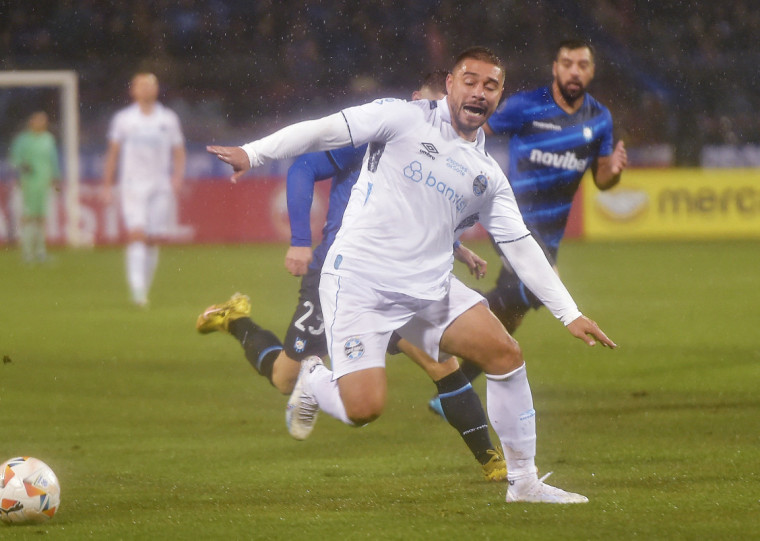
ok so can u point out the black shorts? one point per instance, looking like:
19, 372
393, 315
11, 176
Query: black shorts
306, 333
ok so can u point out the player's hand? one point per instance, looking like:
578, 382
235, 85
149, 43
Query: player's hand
297, 260
235, 156
477, 265
618, 159
588, 331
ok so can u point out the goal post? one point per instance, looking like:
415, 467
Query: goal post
68, 84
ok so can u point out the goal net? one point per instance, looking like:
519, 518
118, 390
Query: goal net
67, 84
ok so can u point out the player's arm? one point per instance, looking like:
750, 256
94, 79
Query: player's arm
535, 271
109, 170
326, 133
607, 170
528, 260
476, 264
302, 176
179, 161
608, 167
16, 159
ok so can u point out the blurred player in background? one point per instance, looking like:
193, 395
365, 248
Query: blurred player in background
34, 156
557, 133
145, 142
426, 176
305, 337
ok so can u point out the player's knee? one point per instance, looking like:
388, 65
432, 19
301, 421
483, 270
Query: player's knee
508, 355
363, 396
363, 408
363, 416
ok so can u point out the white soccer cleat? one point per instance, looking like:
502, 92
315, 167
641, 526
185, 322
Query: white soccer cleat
536, 491
301, 412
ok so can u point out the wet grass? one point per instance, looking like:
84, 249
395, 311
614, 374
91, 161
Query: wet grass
157, 432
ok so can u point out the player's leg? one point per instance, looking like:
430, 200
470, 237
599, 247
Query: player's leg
305, 336
136, 257
461, 407
161, 206
262, 348
27, 239
32, 208
358, 322
509, 300
279, 363
135, 214
478, 334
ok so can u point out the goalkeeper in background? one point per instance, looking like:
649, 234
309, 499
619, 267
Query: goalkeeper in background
34, 156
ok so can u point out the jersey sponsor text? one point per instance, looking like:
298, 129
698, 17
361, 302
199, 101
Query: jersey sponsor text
568, 160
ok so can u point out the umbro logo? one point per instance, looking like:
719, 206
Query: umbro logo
428, 149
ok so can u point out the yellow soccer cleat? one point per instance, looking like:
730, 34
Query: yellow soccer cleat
217, 317
496, 468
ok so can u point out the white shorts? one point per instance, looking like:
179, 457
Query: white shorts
359, 320
150, 211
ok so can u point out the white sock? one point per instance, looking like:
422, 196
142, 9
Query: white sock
327, 394
136, 256
510, 409
151, 262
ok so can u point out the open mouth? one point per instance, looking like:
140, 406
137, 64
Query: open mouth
474, 110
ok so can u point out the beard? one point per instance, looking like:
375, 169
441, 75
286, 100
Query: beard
571, 95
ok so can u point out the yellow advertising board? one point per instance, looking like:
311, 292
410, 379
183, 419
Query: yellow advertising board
675, 204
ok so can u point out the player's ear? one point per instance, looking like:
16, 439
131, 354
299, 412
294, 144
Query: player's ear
416, 95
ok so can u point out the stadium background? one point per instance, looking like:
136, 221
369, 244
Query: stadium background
157, 432
679, 77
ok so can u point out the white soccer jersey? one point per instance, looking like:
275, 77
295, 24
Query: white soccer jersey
420, 183
146, 145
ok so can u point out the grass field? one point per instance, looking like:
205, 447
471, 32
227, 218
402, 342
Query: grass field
157, 432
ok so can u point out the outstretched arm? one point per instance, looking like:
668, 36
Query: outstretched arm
325, 133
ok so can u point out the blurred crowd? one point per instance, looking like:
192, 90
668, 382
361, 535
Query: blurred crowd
682, 73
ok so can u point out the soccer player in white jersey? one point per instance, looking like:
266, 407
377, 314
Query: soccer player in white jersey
145, 142
426, 176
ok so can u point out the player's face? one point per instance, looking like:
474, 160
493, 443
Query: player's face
144, 88
474, 89
573, 70
38, 122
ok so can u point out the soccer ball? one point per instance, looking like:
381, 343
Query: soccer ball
29, 491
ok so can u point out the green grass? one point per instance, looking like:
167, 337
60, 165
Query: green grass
157, 432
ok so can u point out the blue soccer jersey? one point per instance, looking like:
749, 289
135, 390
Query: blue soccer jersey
343, 166
549, 151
